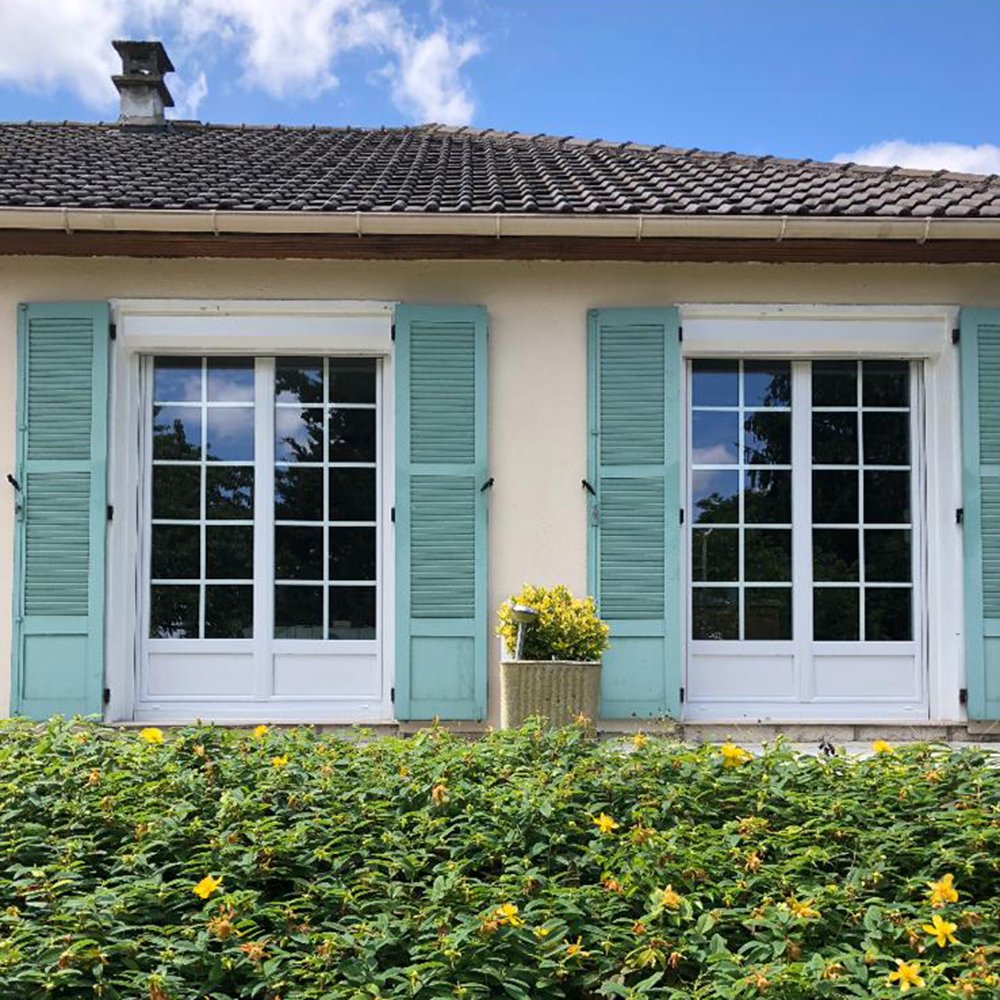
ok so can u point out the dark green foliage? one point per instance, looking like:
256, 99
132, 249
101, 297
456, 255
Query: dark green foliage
392, 868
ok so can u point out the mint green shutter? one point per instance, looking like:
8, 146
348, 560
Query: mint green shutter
980, 363
58, 654
634, 411
440, 512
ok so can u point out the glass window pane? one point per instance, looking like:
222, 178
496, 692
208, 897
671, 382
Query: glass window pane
715, 437
352, 380
298, 494
352, 435
298, 434
352, 494
298, 553
229, 612
715, 383
887, 497
229, 492
767, 554
887, 556
230, 434
835, 383
177, 492
715, 496
177, 380
352, 613
885, 383
888, 614
835, 614
173, 612
887, 438
298, 612
835, 438
768, 497
298, 380
767, 438
229, 552
230, 380
715, 554
835, 497
175, 552
835, 554
767, 383
767, 613
715, 612
177, 432
352, 553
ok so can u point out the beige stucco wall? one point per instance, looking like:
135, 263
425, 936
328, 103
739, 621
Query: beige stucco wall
537, 376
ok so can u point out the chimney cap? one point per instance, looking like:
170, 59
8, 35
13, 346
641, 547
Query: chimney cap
140, 83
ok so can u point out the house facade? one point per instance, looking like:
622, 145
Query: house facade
288, 412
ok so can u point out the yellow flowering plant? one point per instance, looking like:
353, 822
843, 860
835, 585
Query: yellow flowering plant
567, 627
533, 864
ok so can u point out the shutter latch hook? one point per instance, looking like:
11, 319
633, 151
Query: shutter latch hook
13, 482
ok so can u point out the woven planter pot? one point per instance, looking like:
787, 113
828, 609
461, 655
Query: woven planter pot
560, 690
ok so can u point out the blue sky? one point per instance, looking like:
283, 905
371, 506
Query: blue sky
796, 78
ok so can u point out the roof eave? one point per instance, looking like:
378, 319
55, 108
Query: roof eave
499, 225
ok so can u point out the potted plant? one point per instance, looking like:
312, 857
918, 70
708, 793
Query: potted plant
554, 669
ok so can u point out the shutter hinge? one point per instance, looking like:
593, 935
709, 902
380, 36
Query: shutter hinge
963, 696
682, 695
392, 331
392, 515
113, 331
682, 515
107, 695
680, 333
959, 515
111, 512
956, 335
392, 695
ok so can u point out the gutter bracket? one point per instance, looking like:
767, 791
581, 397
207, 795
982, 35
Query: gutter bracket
638, 232
496, 217
66, 225
357, 221
927, 231
215, 222
784, 226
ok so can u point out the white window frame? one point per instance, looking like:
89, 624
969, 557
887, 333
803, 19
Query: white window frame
912, 332
219, 327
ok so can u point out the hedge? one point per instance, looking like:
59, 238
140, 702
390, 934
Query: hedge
283, 864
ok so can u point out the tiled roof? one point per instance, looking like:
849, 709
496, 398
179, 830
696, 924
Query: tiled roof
432, 168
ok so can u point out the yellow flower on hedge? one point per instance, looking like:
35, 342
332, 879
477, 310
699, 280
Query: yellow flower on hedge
506, 913
907, 974
207, 886
259, 732
639, 740
151, 734
575, 949
804, 911
943, 931
542, 932
880, 746
605, 823
732, 755
670, 898
281, 761
439, 794
943, 891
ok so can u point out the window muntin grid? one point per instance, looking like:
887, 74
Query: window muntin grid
856, 552
741, 478
325, 498
862, 501
202, 498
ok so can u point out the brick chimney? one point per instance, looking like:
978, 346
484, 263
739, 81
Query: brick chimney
144, 95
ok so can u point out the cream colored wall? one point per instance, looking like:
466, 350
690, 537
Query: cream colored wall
537, 380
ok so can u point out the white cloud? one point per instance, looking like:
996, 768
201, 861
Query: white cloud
983, 159
287, 49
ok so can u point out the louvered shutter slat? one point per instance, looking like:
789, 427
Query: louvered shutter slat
58, 661
440, 513
634, 362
